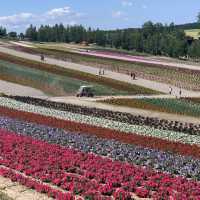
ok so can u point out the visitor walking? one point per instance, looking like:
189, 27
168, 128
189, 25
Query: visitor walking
42, 57
170, 90
100, 72
180, 93
134, 76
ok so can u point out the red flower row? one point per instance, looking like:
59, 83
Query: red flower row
32, 184
89, 175
150, 142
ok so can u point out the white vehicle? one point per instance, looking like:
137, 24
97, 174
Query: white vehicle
85, 91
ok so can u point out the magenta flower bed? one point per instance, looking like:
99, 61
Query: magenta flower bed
88, 175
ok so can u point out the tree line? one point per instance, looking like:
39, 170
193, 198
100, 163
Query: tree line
152, 38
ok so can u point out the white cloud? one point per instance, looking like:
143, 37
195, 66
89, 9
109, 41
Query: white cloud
120, 15
144, 6
16, 20
58, 12
117, 14
20, 21
126, 19
65, 15
127, 3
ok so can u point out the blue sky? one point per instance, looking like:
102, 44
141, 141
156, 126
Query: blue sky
105, 14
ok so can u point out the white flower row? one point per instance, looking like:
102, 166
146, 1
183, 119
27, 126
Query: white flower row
101, 122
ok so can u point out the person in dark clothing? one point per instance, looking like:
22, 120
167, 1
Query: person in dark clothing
180, 92
42, 57
133, 76
170, 90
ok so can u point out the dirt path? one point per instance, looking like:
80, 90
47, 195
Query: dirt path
148, 113
23, 44
102, 98
16, 89
18, 192
114, 75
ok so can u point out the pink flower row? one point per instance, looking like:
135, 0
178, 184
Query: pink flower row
89, 175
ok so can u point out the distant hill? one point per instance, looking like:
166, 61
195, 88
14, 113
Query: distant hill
189, 26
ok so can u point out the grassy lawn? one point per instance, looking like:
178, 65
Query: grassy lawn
195, 33
175, 106
186, 79
55, 80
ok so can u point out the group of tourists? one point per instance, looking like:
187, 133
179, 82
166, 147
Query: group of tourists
101, 71
179, 93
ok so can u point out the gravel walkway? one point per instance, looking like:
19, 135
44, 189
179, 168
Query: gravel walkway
16, 89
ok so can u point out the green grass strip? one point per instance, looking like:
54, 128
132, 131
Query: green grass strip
174, 106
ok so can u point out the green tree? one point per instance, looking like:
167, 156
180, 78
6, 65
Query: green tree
12, 34
100, 38
194, 49
157, 39
3, 32
31, 33
198, 17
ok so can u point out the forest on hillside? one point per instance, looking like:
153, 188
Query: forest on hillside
152, 38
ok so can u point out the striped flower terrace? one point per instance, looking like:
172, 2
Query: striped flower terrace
101, 122
71, 154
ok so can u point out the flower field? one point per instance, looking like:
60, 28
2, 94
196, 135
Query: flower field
73, 152
115, 116
189, 79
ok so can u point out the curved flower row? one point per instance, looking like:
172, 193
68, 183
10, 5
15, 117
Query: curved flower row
158, 160
33, 184
115, 116
150, 142
105, 123
88, 174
